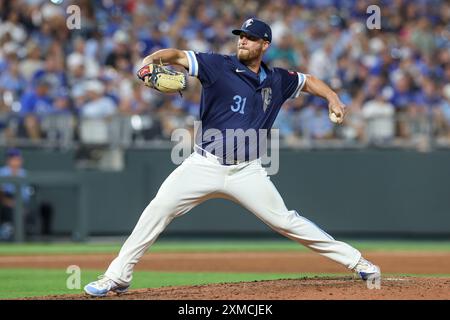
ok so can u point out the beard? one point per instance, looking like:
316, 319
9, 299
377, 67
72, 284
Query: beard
246, 55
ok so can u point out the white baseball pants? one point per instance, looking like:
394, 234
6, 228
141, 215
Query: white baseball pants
201, 178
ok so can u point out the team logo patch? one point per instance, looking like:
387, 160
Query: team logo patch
248, 23
266, 94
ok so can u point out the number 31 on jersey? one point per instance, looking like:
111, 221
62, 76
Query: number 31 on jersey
239, 104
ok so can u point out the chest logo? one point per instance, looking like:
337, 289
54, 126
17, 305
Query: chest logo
266, 94
239, 70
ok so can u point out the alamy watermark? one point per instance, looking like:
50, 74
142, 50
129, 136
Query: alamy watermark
373, 282
74, 279
73, 15
374, 20
73, 21
229, 146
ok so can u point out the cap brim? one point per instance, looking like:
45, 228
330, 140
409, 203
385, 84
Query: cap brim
237, 32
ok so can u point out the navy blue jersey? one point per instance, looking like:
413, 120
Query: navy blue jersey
234, 97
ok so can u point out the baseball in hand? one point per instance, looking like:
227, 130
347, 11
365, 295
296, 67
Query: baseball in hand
334, 118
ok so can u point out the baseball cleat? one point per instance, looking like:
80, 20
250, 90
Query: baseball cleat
366, 269
101, 287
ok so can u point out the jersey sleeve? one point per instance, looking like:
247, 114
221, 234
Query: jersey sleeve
291, 83
206, 67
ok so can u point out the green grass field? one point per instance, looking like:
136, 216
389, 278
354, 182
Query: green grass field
24, 283
215, 246
21, 282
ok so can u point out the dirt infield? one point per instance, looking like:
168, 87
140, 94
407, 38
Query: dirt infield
345, 287
336, 288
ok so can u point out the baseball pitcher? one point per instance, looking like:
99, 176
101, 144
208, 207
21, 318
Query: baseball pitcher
238, 92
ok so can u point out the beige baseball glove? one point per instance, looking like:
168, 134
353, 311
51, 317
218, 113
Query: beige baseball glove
162, 79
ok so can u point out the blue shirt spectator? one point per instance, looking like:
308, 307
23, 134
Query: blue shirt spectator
13, 168
401, 100
403, 94
315, 122
37, 102
284, 121
11, 79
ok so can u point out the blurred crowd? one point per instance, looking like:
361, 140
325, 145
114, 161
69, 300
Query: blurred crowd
80, 85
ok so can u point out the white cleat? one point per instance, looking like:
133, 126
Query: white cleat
101, 287
367, 270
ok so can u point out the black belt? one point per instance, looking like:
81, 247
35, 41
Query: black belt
221, 160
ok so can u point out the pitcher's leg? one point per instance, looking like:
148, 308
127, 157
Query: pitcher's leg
254, 190
185, 187
154, 219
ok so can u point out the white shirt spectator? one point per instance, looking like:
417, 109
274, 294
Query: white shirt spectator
91, 68
99, 106
321, 64
15, 30
380, 119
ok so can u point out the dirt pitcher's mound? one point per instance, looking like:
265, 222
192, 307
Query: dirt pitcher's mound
294, 289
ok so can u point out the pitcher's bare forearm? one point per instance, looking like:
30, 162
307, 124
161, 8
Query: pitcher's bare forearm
319, 88
168, 56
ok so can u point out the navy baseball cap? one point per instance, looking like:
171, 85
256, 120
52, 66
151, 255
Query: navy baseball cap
13, 152
255, 28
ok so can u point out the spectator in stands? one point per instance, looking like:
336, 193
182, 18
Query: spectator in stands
76, 77
287, 122
121, 49
321, 62
12, 86
8, 193
379, 115
189, 103
96, 115
284, 50
139, 121
35, 104
12, 27
98, 105
81, 57
12, 80
422, 36
327, 38
443, 115
54, 74
424, 108
59, 126
32, 62
315, 123
402, 97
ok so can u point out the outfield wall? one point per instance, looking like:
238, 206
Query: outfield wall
349, 192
